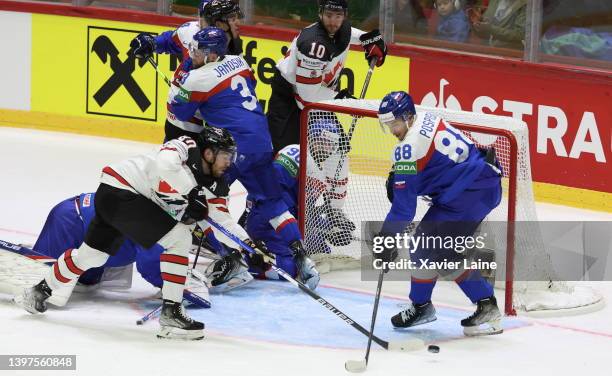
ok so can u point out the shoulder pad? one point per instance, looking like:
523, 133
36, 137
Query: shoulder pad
418, 140
343, 36
314, 43
289, 158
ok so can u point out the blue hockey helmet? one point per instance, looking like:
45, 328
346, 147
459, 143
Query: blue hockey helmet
210, 39
396, 104
201, 7
323, 135
325, 128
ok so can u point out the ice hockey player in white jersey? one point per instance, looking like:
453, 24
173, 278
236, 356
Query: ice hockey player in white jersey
310, 71
152, 198
224, 14
432, 158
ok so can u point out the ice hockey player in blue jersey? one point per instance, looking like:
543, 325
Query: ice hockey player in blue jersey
434, 159
222, 88
224, 14
326, 222
65, 228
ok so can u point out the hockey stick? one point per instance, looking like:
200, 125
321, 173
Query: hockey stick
410, 345
26, 252
149, 315
366, 83
154, 64
361, 365
193, 298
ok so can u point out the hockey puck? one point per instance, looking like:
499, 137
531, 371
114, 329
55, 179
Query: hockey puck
433, 349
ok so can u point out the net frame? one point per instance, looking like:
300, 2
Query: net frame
512, 174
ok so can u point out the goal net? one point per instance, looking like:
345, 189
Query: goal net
358, 189
18, 272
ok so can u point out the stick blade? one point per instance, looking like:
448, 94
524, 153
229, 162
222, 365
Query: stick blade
355, 366
409, 345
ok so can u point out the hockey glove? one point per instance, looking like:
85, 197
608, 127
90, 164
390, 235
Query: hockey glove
260, 247
374, 46
389, 185
197, 207
143, 46
306, 270
341, 232
344, 94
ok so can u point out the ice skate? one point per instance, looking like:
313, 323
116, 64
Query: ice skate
485, 321
413, 315
228, 273
175, 324
33, 299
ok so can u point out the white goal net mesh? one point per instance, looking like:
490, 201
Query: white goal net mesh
357, 189
18, 272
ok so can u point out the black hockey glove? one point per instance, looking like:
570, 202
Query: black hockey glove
262, 250
344, 94
374, 47
143, 46
197, 207
389, 185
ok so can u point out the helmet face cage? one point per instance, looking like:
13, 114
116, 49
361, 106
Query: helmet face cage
323, 138
219, 141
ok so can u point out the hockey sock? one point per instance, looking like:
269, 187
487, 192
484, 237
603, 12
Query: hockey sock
286, 226
174, 261
474, 286
71, 264
174, 275
421, 290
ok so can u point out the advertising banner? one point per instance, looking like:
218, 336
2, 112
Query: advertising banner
568, 119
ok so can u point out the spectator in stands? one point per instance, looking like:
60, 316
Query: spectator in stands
503, 23
578, 29
408, 18
453, 24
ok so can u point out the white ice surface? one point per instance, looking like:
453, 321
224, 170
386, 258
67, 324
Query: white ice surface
39, 169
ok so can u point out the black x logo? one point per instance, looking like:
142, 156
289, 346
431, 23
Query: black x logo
122, 74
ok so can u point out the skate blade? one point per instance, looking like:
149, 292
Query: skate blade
486, 329
170, 332
355, 366
417, 323
229, 285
